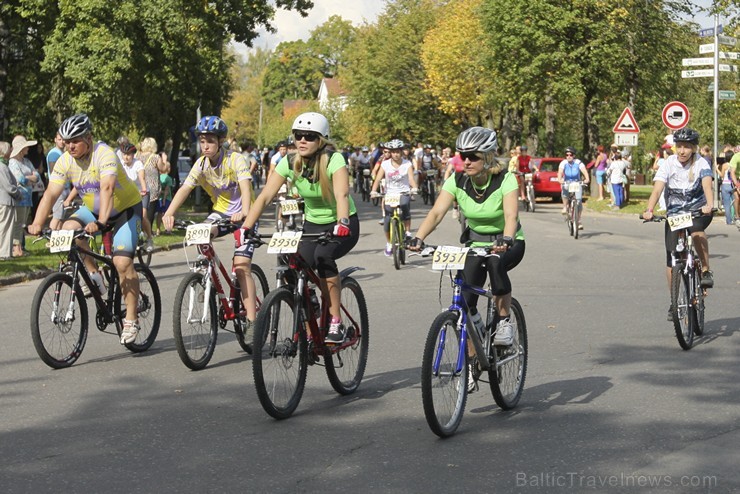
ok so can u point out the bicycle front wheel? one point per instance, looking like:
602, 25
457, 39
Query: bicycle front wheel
681, 308
148, 310
444, 388
574, 222
280, 354
509, 367
345, 367
531, 198
395, 241
195, 322
144, 256
698, 312
58, 321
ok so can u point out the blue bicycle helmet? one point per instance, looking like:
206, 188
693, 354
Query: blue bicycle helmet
211, 125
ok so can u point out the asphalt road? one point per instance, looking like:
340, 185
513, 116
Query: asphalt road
611, 403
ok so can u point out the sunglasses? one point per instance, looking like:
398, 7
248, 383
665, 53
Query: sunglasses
305, 136
470, 157
569, 154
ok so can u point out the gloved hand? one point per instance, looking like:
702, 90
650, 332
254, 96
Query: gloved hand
414, 191
415, 244
244, 235
341, 231
374, 194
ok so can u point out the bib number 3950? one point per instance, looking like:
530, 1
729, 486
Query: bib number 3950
198, 234
61, 240
284, 242
449, 257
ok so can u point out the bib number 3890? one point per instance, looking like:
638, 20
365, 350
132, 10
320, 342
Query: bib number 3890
198, 234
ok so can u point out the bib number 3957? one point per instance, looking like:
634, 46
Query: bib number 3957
449, 257
198, 234
284, 242
61, 240
680, 221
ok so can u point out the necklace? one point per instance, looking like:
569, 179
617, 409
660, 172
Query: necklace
478, 195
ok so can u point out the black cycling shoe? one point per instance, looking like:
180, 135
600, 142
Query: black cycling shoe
707, 279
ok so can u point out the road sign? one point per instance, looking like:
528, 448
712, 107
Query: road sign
625, 139
727, 40
710, 87
689, 62
626, 124
676, 115
730, 95
708, 31
690, 74
730, 55
723, 67
704, 49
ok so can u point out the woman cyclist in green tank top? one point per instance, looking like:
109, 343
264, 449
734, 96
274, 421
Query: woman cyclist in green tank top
487, 196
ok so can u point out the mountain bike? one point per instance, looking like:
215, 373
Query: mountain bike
529, 201
397, 228
428, 185
203, 302
687, 295
366, 184
292, 324
444, 371
144, 256
291, 214
573, 214
59, 312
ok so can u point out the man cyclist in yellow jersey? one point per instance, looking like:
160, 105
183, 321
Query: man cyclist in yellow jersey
108, 197
225, 177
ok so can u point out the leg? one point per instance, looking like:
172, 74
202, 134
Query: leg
702, 248
243, 270
129, 284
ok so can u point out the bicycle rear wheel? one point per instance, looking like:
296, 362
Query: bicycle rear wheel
431, 193
509, 367
681, 308
395, 241
144, 256
444, 390
262, 289
346, 367
58, 323
148, 310
195, 332
280, 356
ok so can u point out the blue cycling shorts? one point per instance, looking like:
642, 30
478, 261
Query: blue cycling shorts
126, 228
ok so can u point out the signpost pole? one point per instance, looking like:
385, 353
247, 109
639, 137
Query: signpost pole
715, 151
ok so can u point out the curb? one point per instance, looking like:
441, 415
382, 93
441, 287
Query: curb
14, 279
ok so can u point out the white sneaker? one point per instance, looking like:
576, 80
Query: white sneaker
504, 335
96, 278
130, 331
149, 245
472, 383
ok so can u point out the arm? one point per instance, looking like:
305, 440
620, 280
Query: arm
168, 218
412, 179
436, 214
274, 182
584, 171
706, 185
107, 188
53, 191
340, 183
70, 197
653, 200
245, 187
560, 174
448, 170
511, 211
142, 181
378, 178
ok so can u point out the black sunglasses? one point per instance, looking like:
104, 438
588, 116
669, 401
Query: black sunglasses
470, 157
569, 154
308, 137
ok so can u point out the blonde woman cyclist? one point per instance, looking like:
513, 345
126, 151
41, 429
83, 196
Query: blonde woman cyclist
321, 178
224, 175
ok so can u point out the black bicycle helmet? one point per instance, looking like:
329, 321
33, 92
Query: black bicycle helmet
394, 144
75, 126
686, 135
128, 149
570, 150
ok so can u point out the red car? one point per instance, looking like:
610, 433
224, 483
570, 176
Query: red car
545, 180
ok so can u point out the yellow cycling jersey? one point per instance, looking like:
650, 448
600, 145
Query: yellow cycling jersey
85, 175
221, 182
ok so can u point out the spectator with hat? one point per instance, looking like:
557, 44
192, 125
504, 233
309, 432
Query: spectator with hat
26, 175
9, 194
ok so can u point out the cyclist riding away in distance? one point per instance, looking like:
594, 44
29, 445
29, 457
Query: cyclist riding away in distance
685, 180
225, 177
108, 197
399, 179
487, 196
321, 178
570, 170
363, 163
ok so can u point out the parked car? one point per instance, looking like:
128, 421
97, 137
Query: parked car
545, 181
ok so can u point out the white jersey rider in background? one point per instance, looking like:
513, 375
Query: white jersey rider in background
399, 179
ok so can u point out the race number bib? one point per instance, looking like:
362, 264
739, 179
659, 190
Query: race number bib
431, 173
574, 187
289, 207
449, 257
680, 221
392, 200
284, 242
61, 240
198, 234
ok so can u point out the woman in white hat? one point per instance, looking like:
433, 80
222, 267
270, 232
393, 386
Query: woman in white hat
26, 176
9, 194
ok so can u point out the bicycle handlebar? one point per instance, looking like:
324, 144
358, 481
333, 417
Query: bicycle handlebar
659, 218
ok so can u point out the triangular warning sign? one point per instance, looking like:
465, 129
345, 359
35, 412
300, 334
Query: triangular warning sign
626, 124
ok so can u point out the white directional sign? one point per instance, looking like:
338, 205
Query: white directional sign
689, 62
729, 55
690, 74
625, 139
730, 95
727, 40
704, 49
723, 67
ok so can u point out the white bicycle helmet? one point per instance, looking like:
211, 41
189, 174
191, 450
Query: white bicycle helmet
312, 122
479, 140
395, 144
75, 126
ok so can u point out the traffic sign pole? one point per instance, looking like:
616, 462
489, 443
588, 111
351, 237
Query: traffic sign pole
715, 151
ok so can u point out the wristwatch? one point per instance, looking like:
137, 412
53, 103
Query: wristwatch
508, 240
344, 221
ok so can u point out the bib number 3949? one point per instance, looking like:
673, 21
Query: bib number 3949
284, 242
198, 234
61, 240
680, 221
449, 257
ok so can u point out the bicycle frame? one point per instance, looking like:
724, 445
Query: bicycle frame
212, 266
